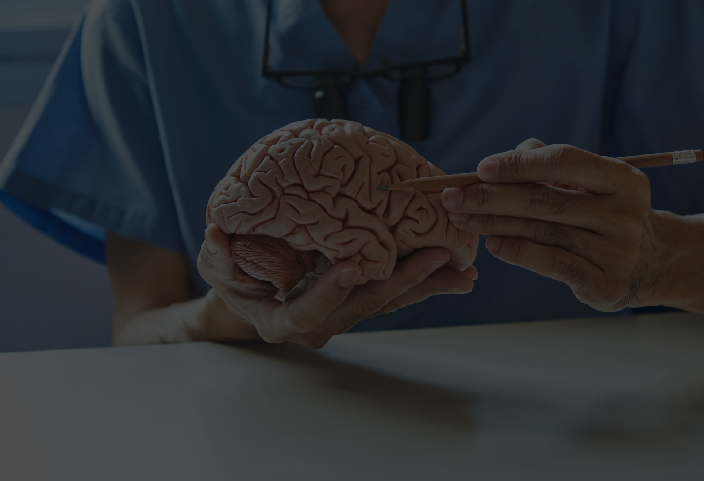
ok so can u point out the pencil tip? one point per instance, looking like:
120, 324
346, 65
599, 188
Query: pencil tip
698, 156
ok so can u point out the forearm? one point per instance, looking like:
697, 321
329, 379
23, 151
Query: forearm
680, 277
188, 321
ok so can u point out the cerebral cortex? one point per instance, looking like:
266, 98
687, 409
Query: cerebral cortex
306, 196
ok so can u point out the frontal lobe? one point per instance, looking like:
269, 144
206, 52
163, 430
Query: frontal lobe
313, 184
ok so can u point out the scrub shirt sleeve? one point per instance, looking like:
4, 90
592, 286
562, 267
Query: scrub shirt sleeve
89, 157
656, 71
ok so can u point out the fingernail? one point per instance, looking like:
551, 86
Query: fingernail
457, 218
210, 244
488, 169
452, 198
493, 243
435, 266
347, 278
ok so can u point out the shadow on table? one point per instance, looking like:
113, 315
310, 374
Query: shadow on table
657, 414
373, 389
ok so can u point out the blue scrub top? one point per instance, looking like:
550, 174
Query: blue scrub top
152, 101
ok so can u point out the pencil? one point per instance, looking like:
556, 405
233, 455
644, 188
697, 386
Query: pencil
440, 182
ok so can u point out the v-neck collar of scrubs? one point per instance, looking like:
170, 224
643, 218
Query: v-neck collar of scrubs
302, 38
416, 31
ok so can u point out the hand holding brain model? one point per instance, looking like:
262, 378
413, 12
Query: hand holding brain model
302, 204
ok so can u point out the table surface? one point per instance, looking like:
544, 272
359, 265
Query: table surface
609, 398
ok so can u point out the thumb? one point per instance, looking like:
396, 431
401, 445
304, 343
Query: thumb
215, 261
530, 144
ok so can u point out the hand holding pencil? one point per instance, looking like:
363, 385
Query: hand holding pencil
598, 233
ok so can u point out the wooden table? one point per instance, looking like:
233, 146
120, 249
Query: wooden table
601, 399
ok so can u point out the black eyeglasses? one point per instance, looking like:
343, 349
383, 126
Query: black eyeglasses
414, 95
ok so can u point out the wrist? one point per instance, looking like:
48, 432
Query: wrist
164, 325
678, 274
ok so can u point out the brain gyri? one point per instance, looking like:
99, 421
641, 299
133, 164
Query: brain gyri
308, 192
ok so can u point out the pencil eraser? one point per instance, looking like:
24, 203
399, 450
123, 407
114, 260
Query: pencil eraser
698, 155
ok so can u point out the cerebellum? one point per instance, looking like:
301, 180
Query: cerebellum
308, 193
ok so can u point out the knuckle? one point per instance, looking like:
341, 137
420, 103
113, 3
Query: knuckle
568, 241
632, 180
640, 179
546, 199
483, 199
556, 157
564, 156
641, 184
578, 244
487, 223
630, 226
565, 152
529, 144
562, 267
514, 249
540, 199
547, 233
542, 233
559, 266
512, 164
536, 143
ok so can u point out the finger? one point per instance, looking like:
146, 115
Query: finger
530, 144
308, 313
217, 267
563, 164
533, 201
445, 280
372, 296
549, 261
572, 239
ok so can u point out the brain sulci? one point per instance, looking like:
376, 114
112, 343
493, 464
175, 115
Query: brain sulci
311, 189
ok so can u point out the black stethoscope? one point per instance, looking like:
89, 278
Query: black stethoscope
414, 94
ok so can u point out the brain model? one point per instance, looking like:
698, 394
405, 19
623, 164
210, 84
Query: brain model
306, 196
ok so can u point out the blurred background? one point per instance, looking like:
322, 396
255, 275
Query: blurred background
50, 297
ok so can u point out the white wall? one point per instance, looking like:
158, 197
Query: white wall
50, 297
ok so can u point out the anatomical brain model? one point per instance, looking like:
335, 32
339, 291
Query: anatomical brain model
305, 197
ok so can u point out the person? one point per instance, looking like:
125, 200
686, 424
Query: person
152, 101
